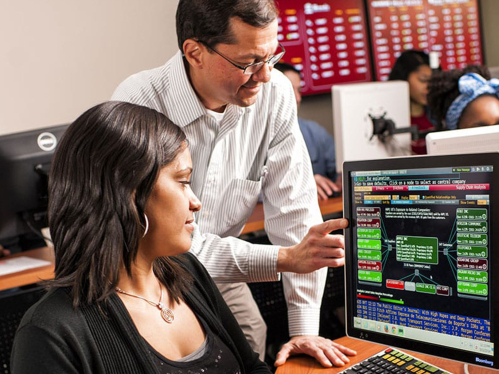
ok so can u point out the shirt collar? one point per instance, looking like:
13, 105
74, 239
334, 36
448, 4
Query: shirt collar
184, 97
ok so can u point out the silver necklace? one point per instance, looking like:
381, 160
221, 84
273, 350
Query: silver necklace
166, 313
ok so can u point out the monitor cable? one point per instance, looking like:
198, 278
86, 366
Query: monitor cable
27, 220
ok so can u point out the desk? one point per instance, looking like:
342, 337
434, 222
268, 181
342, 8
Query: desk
307, 365
30, 276
256, 220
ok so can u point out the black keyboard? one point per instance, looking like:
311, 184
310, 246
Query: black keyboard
395, 362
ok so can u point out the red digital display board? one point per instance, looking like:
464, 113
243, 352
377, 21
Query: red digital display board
449, 27
326, 41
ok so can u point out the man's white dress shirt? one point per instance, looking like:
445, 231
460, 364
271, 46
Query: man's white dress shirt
254, 149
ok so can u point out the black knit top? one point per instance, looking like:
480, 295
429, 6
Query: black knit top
55, 338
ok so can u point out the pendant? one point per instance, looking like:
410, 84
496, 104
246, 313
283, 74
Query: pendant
166, 313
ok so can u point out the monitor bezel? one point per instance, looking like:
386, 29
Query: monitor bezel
470, 140
426, 161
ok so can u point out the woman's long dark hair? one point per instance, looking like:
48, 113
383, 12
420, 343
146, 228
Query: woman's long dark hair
101, 176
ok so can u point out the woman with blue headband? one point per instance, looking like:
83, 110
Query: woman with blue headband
464, 98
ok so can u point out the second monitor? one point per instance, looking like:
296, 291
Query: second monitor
472, 140
371, 120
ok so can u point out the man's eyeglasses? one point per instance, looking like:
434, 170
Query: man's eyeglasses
253, 68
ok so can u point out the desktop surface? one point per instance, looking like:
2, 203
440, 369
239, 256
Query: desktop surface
32, 275
307, 365
419, 254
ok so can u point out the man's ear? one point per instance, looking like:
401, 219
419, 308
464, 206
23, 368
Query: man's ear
194, 52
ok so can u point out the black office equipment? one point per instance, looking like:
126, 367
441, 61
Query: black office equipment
24, 166
393, 361
421, 254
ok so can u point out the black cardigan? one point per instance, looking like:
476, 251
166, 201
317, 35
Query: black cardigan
55, 338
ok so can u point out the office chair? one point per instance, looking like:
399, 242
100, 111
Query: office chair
13, 305
269, 297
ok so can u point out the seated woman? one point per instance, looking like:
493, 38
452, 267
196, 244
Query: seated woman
127, 297
464, 98
414, 67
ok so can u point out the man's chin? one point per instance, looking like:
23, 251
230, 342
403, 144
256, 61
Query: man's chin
246, 101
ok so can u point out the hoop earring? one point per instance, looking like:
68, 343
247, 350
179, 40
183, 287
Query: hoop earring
147, 225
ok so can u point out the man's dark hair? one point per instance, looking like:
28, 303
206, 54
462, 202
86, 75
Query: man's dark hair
209, 20
102, 174
284, 67
443, 89
408, 62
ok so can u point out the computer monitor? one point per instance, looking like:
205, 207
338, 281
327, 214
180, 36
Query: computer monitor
451, 28
421, 254
359, 108
24, 163
454, 142
326, 41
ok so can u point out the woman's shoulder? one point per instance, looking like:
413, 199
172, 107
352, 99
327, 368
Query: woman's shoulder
53, 309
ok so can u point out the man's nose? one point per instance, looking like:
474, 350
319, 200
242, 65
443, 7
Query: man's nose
262, 75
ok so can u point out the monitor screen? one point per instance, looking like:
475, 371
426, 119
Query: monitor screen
354, 108
472, 140
326, 40
451, 28
25, 162
420, 254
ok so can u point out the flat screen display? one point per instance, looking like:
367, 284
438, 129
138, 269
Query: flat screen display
326, 41
420, 254
25, 160
449, 27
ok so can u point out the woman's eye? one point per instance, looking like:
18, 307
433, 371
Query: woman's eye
186, 183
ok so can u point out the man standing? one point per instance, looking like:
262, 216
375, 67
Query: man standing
241, 125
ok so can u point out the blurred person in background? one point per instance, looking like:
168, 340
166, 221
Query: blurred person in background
320, 144
413, 67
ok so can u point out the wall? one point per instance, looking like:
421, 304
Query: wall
489, 12
61, 57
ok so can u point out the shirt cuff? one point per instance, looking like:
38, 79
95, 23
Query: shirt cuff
263, 263
304, 321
